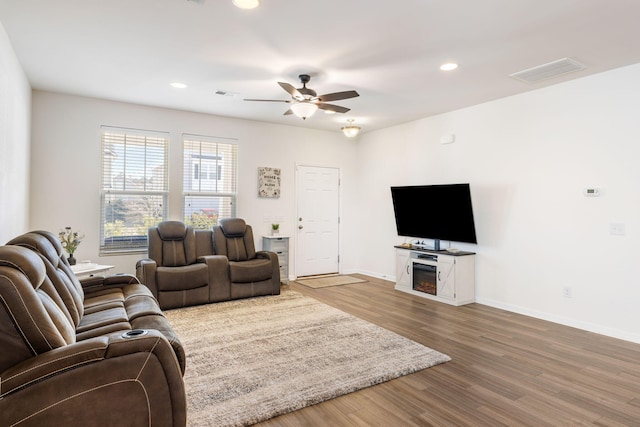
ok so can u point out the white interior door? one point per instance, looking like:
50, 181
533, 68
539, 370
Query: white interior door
318, 221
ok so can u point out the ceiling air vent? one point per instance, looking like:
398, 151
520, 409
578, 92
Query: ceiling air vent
547, 71
226, 93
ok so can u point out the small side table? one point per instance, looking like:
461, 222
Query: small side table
82, 270
279, 245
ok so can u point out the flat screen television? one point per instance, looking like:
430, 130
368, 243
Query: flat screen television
437, 212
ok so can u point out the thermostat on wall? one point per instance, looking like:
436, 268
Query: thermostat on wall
448, 138
592, 192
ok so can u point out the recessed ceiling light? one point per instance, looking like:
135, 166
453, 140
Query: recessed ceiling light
246, 4
178, 85
448, 66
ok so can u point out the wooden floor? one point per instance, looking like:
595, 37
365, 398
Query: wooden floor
506, 369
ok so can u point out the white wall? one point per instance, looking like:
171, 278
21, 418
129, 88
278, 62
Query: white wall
66, 165
528, 159
15, 124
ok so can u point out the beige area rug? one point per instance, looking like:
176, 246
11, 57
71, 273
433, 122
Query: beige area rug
325, 282
251, 360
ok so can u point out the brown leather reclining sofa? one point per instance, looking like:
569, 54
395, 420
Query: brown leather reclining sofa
96, 353
188, 267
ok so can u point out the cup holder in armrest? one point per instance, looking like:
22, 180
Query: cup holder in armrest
134, 333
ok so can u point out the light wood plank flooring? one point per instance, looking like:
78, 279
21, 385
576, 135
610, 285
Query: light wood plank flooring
506, 369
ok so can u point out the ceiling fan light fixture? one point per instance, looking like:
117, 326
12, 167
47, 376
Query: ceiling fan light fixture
351, 130
305, 101
246, 4
304, 109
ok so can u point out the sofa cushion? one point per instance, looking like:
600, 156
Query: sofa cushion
99, 319
173, 243
103, 300
173, 253
140, 304
254, 270
182, 278
59, 274
236, 249
27, 262
31, 320
117, 307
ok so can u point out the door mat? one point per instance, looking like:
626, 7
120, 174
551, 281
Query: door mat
324, 282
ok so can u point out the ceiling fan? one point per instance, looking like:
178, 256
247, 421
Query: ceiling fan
304, 101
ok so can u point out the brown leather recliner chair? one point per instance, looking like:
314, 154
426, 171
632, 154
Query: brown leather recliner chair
82, 353
181, 269
250, 273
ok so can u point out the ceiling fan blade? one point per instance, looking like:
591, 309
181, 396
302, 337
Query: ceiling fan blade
268, 100
338, 96
334, 108
291, 90
288, 112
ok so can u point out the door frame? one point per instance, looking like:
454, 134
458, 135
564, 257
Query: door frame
296, 201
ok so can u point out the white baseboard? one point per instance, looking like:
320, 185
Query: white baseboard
371, 274
585, 326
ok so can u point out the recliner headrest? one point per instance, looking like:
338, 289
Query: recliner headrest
25, 260
172, 230
233, 227
42, 242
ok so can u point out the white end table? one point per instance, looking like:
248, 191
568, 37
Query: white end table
83, 270
279, 245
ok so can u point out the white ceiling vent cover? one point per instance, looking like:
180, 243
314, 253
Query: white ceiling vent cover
547, 71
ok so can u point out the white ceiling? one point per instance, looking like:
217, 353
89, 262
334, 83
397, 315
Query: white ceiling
389, 51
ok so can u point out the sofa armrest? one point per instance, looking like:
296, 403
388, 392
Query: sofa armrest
48, 364
146, 274
136, 377
267, 255
275, 267
219, 280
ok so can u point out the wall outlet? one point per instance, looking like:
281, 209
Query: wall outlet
566, 292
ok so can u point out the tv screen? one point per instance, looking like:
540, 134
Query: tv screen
438, 212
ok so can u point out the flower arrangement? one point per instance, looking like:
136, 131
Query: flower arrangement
70, 239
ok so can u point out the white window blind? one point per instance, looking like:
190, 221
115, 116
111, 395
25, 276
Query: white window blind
210, 180
134, 187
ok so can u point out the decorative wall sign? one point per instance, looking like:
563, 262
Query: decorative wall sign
268, 182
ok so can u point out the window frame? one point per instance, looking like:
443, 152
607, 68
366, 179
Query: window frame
226, 197
112, 140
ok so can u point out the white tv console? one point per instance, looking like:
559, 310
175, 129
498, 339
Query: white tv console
438, 275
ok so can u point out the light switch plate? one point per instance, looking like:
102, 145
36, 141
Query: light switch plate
617, 229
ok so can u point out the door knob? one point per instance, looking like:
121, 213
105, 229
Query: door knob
300, 227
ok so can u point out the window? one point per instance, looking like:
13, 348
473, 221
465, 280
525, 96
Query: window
134, 187
208, 170
209, 180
